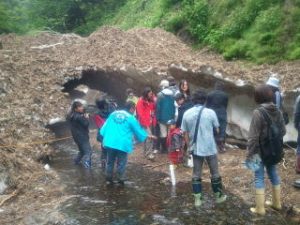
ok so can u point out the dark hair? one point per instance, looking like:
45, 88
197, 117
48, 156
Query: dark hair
101, 104
129, 105
172, 81
180, 85
146, 91
179, 96
75, 105
263, 94
219, 85
199, 96
129, 91
274, 89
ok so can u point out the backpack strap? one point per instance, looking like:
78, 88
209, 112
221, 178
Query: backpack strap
197, 125
265, 115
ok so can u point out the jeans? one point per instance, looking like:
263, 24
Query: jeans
85, 152
114, 155
260, 176
103, 154
212, 162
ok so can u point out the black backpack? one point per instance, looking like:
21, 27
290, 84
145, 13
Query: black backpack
272, 145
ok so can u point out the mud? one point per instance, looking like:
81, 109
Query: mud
149, 198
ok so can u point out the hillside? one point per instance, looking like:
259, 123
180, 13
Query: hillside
261, 31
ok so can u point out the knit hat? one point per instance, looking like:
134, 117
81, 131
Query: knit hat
164, 84
178, 96
274, 82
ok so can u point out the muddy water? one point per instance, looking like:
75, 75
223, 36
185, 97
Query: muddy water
144, 200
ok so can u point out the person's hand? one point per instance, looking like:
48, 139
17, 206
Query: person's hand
152, 137
189, 151
86, 115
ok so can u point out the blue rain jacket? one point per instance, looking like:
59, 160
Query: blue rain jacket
119, 131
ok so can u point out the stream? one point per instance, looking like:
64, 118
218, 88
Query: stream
143, 200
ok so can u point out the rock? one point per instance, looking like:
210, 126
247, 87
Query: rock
47, 167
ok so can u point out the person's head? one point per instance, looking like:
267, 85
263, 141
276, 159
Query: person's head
184, 87
172, 81
179, 98
101, 104
147, 93
263, 94
171, 124
130, 107
219, 85
163, 84
273, 82
77, 107
199, 96
129, 92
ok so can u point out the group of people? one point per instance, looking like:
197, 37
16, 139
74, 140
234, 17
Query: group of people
183, 124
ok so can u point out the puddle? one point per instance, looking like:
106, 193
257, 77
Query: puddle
144, 200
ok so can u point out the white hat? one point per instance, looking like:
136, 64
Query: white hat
164, 84
274, 82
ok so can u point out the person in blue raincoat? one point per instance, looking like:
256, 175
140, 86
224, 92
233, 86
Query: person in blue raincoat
118, 133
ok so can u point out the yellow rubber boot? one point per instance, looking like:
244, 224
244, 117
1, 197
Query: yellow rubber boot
276, 202
260, 202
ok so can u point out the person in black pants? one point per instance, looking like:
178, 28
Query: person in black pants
79, 122
217, 100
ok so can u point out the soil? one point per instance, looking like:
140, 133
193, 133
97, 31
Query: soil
33, 70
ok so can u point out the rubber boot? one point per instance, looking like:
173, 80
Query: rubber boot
216, 184
260, 202
198, 200
298, 164
276, 203
197, 189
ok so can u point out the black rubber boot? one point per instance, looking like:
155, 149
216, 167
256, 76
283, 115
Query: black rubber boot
197, 189
216, 184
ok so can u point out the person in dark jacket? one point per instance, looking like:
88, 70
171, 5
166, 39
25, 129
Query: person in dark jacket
259, 131
165, 111
104, 110
217, 100
80, 131
183, 105
297, 126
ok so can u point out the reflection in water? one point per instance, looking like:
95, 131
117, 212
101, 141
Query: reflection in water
144, 200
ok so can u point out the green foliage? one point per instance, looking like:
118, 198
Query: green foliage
256, 30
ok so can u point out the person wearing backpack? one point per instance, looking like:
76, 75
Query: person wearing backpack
198, 126
265, 140
165, 111
104, 110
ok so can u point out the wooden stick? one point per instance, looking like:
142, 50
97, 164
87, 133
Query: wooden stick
9, 197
